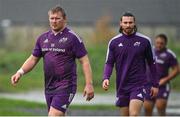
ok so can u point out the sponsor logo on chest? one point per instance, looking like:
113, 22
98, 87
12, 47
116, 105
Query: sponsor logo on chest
160, 61
161, 58
52, 47
163, 55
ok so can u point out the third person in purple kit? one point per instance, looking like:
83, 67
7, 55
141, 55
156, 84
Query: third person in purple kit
59, 47
129, 51
166, 60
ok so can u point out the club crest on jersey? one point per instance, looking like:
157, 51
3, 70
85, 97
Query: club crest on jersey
62, 40
46, 41
120, 45
137, 43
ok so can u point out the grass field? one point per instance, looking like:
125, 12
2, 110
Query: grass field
20, 108
34, 80
23, 108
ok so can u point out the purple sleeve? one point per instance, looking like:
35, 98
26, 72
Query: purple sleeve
110, 59
108, 68
37, 49
79, 48
173, 60
107, 71
150, 57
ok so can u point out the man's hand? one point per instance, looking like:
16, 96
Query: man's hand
15, 78
88, 92
154, 92
105, 84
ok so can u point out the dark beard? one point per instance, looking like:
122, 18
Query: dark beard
134, 30
128, 31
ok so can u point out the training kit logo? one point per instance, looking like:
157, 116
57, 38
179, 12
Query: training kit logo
46, 41
137, 43
64, 106
140, 95
120, 45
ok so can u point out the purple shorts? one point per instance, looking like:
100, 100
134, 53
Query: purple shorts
125, 96
163, 92
59, 101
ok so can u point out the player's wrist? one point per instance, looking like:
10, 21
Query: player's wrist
21, 72
90, 83
105, 78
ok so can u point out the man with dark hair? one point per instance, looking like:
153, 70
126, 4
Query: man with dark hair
129, 51
59, 47
128, 14
166, 60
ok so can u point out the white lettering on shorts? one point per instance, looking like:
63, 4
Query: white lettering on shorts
140, 95
64, 106
71, 97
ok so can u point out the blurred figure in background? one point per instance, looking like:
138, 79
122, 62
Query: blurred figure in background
165, 60
129, 51
59, 47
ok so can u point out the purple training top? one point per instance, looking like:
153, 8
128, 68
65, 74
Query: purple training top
164, 60
129, 53
59, 53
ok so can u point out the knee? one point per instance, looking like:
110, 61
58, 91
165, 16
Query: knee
161, 109
148, 111
134, 113
160, 106
55, 112
148, 108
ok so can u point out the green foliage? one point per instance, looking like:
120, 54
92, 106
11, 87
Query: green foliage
9, 64
103, 31
10, 60
174, 46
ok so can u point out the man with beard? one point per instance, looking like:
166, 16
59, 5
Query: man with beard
130, 51
166, 60
59, 47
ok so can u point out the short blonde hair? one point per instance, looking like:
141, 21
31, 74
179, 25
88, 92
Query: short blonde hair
57, 9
